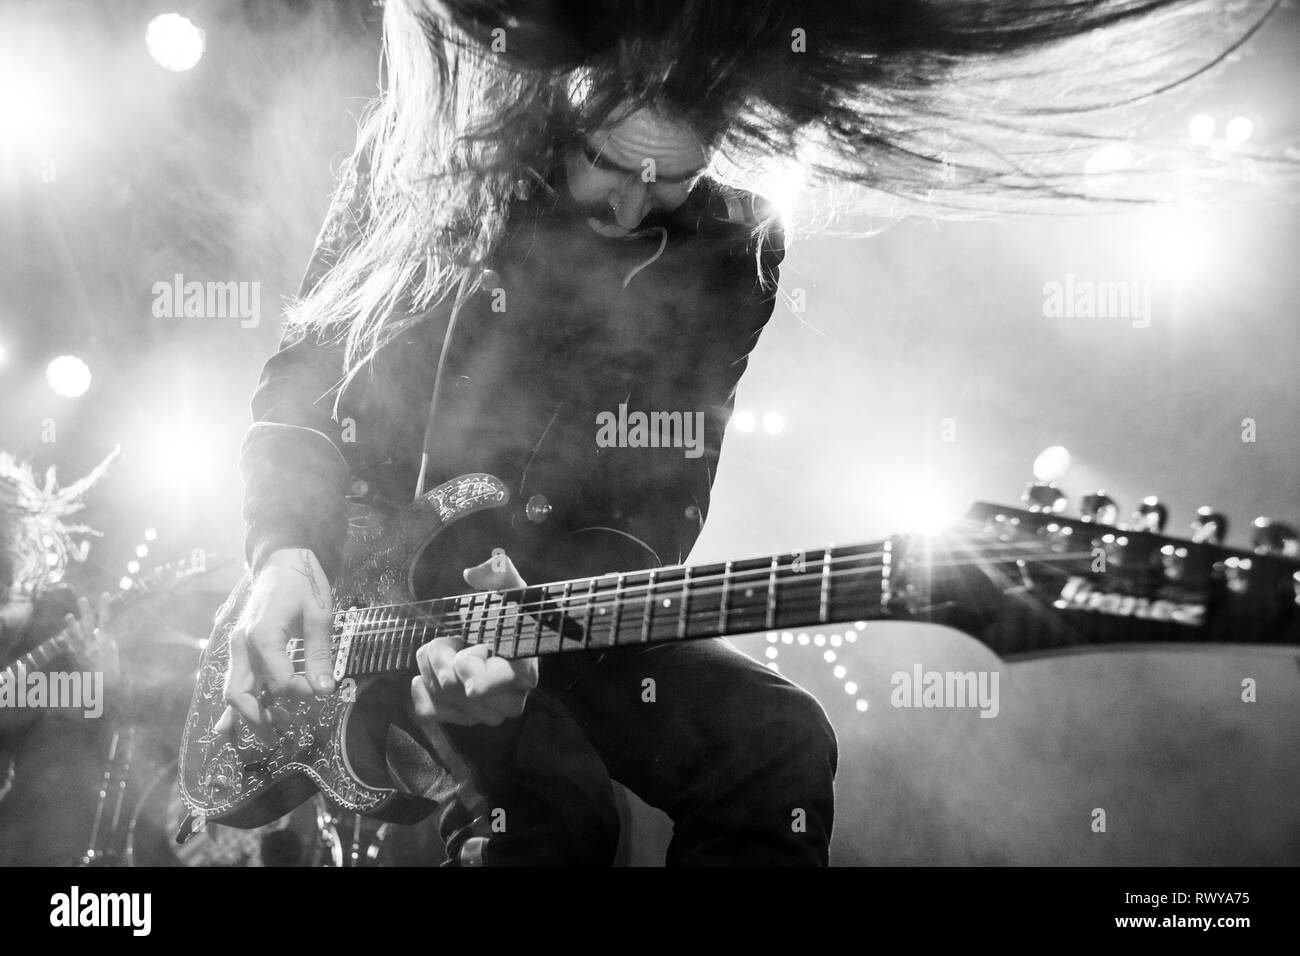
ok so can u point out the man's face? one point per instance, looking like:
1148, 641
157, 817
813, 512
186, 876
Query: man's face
625, 171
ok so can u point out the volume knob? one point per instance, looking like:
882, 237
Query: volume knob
1151, 515
1273, 537
1210, 526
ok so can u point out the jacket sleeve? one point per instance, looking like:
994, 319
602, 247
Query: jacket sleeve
293, 462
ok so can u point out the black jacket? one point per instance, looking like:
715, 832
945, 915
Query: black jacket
523, 387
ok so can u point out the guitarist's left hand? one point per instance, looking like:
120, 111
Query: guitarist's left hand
90, 632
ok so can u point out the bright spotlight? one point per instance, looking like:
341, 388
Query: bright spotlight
1052, 463
1200, 127
68, 376
783, 188
1239, 129
744, 421
174, 42
2, 353
773, 423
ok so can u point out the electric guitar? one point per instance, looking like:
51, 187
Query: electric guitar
63, 644
1020, 580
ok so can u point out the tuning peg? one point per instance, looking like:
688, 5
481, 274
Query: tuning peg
1151, 515
1099, 508
1045, 497
1273, 537
1210, 526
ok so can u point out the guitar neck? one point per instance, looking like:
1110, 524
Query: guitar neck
39, 657
797, 589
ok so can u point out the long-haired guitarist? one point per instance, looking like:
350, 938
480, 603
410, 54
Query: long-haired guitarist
42, 734
533, 238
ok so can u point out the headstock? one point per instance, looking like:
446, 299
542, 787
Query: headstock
1092, 579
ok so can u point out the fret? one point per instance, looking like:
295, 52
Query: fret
724, 603
617, 620
648, 614
856, 592
824, 599
800, 591
549, 640
667, 592
492, 619
586, 618
742, 601
601, 631
509, 622
685, 601
771, 592
532, 598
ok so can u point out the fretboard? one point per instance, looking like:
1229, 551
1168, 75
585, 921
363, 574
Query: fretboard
791, 590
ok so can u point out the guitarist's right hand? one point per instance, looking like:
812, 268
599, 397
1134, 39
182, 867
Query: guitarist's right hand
290, 595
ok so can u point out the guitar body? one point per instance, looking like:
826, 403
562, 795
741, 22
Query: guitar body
334, 745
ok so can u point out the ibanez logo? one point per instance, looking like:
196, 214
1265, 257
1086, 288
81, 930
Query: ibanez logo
1079, 595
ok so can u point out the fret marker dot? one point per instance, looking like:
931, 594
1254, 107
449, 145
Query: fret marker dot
850, 688
839, 671
861, 705
749, 592
830, 657
668, 602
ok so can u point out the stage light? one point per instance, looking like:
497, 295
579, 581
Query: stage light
783, 188
125, 584
774, 423
744, 421
803, 640
839, 671
787, 637
150, 534
141, 551
772, 637
133, 567
861, 705
1200, 127
2, 353
850, 688
829, 657
174, 42
835, 640
819, 640
1239, 129
772, 652
68, 376
1052, 463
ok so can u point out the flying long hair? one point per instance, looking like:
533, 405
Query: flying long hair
942, 107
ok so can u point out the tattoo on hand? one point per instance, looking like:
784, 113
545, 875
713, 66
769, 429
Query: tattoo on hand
305, 557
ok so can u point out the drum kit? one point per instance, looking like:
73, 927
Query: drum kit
138, 809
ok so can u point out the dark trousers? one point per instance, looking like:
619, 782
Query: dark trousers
741, 759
